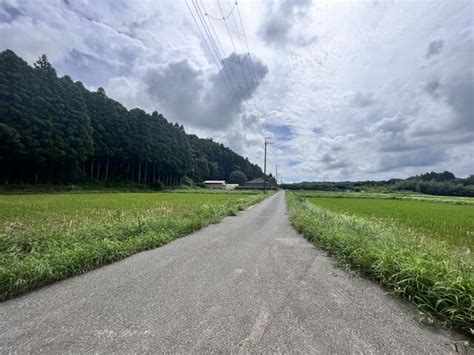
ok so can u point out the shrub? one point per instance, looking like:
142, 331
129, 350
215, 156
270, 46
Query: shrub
237, 177
186, 181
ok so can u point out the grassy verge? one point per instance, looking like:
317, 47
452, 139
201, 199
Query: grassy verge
434, 278
49, 237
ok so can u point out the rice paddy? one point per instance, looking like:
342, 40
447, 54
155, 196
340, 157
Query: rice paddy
47, 237
451, 224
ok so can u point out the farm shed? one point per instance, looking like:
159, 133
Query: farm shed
259, 183
231, 186
215, 184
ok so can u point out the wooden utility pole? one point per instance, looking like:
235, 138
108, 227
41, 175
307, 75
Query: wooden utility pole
267, 142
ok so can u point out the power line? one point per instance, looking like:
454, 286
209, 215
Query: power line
230, 69
253, 72
242, 48
210, 47
245, 76
250, 65
225, 21
200, 32
223, 18
249, 91
213, 43
212, 54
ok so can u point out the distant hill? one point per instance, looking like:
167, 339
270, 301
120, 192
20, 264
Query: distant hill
54, 130
432, 183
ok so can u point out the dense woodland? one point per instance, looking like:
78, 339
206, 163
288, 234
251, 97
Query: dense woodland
432, 183
54, 130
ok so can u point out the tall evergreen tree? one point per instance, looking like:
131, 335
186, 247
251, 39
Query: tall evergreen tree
55, 130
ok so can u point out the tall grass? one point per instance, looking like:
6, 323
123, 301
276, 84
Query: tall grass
46, 238
422, 271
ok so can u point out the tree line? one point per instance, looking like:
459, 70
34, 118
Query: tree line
445, 183
54, 130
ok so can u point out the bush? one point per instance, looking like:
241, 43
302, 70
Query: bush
237, 177
186, 181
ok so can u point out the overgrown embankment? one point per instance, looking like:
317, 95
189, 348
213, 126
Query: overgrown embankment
435, 278
45, 238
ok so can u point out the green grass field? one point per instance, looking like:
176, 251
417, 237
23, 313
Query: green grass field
47, 237
392, 196
419, 249
449, 223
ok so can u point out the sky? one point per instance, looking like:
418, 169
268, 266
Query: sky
345, 90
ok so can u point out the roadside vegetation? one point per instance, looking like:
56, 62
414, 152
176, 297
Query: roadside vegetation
48, 237
420, 250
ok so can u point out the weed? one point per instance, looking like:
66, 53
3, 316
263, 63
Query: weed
422, 270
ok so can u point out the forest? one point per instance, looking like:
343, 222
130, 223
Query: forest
54, 130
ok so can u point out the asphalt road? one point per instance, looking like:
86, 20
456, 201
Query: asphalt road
247, 284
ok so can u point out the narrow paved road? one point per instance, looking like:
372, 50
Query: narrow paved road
248, 284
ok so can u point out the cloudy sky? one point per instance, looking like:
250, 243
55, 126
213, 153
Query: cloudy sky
347, 90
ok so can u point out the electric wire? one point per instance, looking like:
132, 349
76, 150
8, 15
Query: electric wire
223, 17
256, 82
221, 56
230, 71
249, 90
212, 54
236, 27
216, 43
254, 75
248, 62
213, 48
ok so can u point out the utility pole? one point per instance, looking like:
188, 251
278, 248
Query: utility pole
267, 142
276, 174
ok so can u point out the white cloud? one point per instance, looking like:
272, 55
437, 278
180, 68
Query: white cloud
205, 100
349, 90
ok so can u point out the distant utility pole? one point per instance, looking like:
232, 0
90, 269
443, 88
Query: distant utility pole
267, 142
276, 174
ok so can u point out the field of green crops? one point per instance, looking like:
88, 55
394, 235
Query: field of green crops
448, 223
420, 248
455, 200
47, 237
